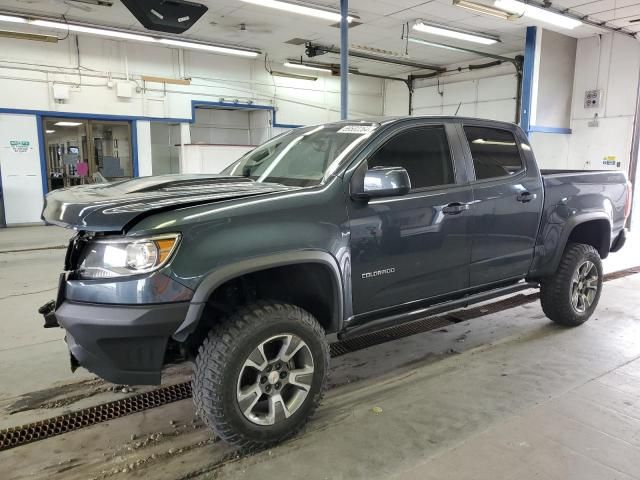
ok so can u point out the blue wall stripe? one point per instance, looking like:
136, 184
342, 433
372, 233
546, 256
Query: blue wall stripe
194, 105
134, 130
541, 129
43, 156
527, 80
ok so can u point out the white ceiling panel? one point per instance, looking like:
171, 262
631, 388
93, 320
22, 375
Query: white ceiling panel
236, 22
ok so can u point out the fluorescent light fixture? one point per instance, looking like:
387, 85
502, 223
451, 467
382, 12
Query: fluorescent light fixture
12, 19
50, 131
68, 124
91, 30
293, 75
106, 32
537, 13
301, 9
208, 48
433, 44
28, 36
302, 66
453, 33
481, 8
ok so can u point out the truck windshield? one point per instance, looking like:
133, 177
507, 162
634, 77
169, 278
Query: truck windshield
301, 157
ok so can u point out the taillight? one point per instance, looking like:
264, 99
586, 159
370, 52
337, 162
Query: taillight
627, 205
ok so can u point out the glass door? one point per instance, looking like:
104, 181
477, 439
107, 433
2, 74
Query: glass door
80, 151
110, 146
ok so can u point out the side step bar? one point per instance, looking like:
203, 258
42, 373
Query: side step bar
417, 314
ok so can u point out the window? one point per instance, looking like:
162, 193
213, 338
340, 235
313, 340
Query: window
423, 152
495, 152
301, 157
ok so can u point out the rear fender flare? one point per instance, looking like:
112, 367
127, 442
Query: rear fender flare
568, 228
228, 272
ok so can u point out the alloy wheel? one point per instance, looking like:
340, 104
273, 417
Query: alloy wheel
275, 379
584, 286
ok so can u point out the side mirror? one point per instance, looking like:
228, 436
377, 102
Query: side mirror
381, 182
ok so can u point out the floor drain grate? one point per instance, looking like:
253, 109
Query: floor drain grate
16, 436
21, 435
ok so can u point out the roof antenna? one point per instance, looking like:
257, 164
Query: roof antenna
457, 109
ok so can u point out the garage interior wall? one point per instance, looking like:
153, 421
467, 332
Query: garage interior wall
565, 69
488, 93
609, 63
29, 70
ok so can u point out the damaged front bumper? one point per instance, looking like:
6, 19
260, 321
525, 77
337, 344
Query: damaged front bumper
122, 344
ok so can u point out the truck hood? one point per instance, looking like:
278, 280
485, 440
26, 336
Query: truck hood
103, 207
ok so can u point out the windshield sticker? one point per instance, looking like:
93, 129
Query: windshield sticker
359, 129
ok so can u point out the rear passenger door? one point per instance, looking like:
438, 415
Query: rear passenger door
416, 246
508, 198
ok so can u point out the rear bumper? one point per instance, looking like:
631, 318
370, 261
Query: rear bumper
619, 242
122, 344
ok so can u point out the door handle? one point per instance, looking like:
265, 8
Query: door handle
455, 208
525, 197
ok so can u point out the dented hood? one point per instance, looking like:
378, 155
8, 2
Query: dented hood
112, 206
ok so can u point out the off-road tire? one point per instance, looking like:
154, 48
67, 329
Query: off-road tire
221, 357
556, 290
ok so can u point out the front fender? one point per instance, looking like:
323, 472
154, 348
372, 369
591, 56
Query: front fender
228, 272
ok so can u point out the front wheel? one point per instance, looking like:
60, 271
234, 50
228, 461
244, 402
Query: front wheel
570, 296
260, 374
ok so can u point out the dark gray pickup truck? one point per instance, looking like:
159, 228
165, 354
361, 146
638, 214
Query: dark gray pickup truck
323, 232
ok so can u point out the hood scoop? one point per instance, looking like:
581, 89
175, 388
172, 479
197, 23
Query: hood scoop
111, 207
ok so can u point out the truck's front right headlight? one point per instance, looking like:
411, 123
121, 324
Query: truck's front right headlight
122, 256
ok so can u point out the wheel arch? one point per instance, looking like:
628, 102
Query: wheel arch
237, 270
591, 229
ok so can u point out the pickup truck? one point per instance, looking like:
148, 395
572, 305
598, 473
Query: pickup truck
322, 233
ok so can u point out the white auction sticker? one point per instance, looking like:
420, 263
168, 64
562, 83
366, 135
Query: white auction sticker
359, 129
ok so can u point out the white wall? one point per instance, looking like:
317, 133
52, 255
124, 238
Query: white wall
554, 82
20, 167
165, 153
145, 152
396, 98
493, 98
486, 93
210, 158
610, 63
29, 70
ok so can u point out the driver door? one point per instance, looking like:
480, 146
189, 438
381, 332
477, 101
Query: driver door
416, 246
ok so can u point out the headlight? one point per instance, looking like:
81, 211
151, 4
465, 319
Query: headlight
118, 257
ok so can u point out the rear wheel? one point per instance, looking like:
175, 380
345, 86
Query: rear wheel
570, 296
260, 374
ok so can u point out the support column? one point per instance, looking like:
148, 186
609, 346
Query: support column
344, 60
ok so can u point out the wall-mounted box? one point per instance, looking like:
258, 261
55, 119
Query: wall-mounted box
592, 98
60, 92
124, 89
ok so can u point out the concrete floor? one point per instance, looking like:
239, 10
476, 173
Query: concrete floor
508, 395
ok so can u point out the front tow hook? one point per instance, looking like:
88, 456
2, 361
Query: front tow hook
48, 311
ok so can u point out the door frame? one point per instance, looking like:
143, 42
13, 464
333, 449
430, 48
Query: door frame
40, 117
462, 181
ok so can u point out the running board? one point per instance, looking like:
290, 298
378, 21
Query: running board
365, 326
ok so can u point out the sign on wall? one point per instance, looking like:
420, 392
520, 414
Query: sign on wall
20, 146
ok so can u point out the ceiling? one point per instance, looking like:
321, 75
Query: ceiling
381, 26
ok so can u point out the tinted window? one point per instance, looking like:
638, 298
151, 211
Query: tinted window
301, 157
495, 152
423, 152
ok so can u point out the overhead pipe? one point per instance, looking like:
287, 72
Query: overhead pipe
314, 49
517, 62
